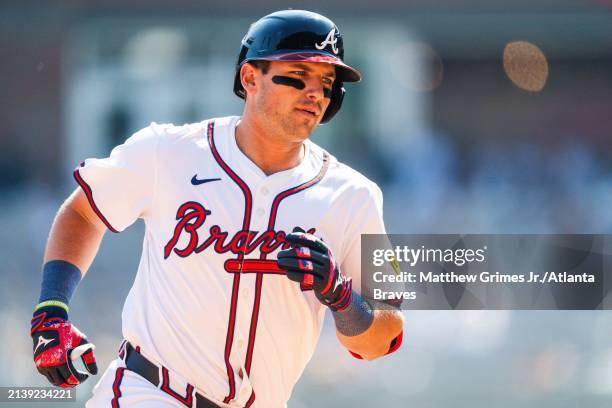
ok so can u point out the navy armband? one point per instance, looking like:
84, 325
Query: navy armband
59, 282
356, 318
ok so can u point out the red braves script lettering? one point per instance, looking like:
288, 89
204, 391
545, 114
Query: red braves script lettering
191, 217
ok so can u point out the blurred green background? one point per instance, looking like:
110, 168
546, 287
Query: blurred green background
474, 117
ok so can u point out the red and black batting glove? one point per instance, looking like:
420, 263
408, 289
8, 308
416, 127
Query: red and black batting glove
310, 262
57, 343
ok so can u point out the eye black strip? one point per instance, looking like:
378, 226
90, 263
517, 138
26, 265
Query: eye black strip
283, 80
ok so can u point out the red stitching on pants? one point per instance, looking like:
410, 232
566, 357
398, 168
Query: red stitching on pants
187, 400
116, 385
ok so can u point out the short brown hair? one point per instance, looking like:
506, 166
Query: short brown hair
262, 65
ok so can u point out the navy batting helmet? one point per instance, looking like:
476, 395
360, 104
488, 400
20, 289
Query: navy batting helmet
297, 35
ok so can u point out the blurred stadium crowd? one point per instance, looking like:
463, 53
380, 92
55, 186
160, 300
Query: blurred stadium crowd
473, 118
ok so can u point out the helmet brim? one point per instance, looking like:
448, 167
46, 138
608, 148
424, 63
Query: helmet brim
344, 72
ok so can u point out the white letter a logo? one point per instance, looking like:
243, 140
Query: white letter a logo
330, 39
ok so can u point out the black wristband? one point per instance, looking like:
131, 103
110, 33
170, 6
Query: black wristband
52, 311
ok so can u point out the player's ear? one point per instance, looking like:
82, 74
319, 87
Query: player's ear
248, 74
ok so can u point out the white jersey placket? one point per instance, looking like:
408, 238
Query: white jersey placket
261, 210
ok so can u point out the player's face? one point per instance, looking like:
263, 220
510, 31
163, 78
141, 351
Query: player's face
296, 112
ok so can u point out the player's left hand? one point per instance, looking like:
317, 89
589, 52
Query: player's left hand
310, 262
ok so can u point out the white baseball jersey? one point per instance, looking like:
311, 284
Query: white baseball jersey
208, 301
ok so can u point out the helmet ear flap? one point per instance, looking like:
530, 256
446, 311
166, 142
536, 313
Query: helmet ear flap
337, 96
238, 89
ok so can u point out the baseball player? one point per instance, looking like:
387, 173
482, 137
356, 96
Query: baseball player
252, 233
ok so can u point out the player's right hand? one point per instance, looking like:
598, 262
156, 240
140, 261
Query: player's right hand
57, 343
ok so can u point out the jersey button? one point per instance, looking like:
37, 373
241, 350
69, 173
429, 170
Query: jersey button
240, 374
264, 191
260, 212
241, 344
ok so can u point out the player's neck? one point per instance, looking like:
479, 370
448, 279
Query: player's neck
271, 153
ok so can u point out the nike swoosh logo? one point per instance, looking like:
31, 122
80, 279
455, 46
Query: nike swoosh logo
196, 182
42, 342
